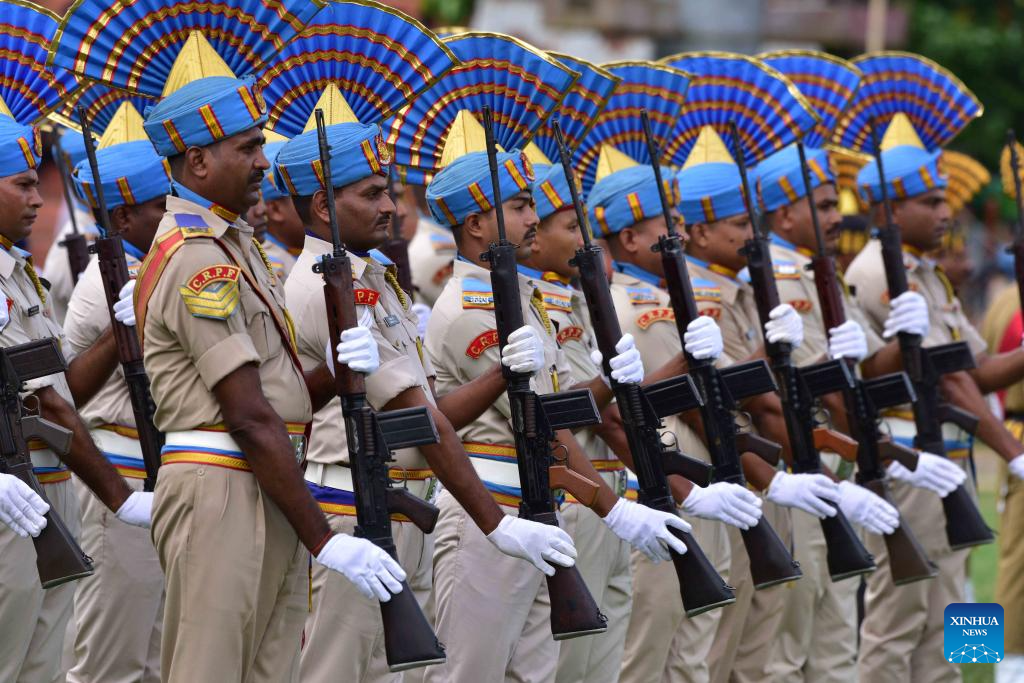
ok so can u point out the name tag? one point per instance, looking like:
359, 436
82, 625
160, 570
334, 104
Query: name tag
391, 320
34, 310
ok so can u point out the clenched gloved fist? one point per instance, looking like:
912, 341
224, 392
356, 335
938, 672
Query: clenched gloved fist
21, 508
907, 313
647, 529
627, 366
867, 509
1017, 466
729, 503
357, 349
848, 341
703, 338
124, 308
539, 544
137, 510
933, 472
373, 571
811, 493
784, 325
524, 351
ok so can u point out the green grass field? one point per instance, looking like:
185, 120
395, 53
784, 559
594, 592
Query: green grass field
983, 576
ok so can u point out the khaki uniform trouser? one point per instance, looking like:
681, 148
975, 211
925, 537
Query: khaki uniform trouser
493, 611
746, 635
902, 631
603, 562
33, 622
1010, 579
236, 591
662, 644
817, 641
119, 609
344, 632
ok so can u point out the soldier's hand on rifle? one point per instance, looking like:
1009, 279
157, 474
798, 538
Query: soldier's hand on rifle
866, 509
784, 325
524, 351
1017, 466
725, 502
627, 366
357, 349
907, 313
124, 307
808, 492
539, 544
703, 338
848, 341
137, 510
647, 529
373, 571
21, 508
933, 472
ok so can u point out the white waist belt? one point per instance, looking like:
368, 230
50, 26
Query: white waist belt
112, 443
340, 477
201, 438
44, 457
496, 472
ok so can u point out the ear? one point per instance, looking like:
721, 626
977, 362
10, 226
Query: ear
319, 206
472, 226
699, 234
196, 162
121, 219
628, 240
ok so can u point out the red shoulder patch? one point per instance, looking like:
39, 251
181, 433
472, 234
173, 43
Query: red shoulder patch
801, 305
366, 297
483, 342
569, 334
645, 320
713, 313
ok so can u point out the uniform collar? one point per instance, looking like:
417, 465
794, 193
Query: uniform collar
914, 258
216, 209
638, 272
317, 247
269, 237
208, 222
10, 256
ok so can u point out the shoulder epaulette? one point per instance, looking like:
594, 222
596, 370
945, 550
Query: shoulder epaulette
554, 301
706, 290
192, 225
638, 296
477, 294
786, 269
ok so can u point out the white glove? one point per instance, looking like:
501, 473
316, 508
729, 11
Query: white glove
539, 544
646, 529
375, 573
703, 338
729, 503
784, 325
867, 509
357, 349
1017, 466
137, 510
808, 492
21, 508
627, 366
907, 313
422, 312
848, 341
524, 351
124, 307
933, 472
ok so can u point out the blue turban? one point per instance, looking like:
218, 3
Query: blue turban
909, 171
357, 152
780, 181
710, 192
72, 147
204, 112
464, 186
132, 173
269, 186
626, 197
20, 147
551, 191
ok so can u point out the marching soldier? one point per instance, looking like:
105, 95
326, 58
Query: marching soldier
282, 242
118, 611
431, 250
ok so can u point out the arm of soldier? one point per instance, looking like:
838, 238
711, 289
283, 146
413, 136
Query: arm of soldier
886, 360
84, 459
449, 461
963, 392
91, 349
999, 371
463, 405
260, 433
89, 370
320, 384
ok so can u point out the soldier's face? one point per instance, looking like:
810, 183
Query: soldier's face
19, 203
725, 238
364, 211
640, 238
826, 202
234, 169
257, 218
520, 223
923, 219
558, 238
138, 224
284, 221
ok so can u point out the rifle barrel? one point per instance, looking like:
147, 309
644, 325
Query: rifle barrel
90, 151
325, 167
655, 154
492, 164
570, 176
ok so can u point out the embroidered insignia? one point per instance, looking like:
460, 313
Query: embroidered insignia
190, 220
648, 318
483, 342
366, 297
212, 292
801, 305
527, 167
713, 313
571, 333
639, 296
706, 290
383, 151
481, 300
261, 102
557, 302
786, 270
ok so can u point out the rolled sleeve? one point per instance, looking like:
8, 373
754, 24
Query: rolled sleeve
224, 357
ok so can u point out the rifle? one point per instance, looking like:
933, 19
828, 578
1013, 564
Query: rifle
721, 390
109, 250
701, 587
798, 389
75, 243
907, 560
1017, 248
397, 248
965, 526
59, 558
535, 419
409, 640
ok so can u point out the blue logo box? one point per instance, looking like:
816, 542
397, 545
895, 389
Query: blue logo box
973, 633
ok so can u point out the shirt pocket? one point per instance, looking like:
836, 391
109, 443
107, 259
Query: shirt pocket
259, 324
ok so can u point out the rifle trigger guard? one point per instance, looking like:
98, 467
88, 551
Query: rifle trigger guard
822, 416
742, 420
673, 439
565, 458
31, 411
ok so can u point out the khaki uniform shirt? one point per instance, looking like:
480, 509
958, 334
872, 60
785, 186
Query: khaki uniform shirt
462, 344
730, 302
87, 319
394, 329
281, 258
645, 311
203, 318
796, 287
29, 318
431, 254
